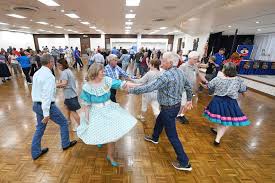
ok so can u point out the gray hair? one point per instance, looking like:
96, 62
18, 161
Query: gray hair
171, 57
194, 54
46, 59
111, 57
229, 69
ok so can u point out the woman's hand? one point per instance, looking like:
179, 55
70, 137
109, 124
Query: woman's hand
189, 105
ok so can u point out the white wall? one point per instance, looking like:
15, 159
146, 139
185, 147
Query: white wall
95, 42
264, 42
159, 44
188, 39
125, 43
74, 42
50, 42
16, 39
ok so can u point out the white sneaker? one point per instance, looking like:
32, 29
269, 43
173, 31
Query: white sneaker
29, 83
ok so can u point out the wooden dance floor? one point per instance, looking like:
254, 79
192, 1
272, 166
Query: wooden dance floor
246, 154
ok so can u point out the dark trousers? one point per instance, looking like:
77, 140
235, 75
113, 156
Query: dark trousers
113, 95
26, 71
78, 61
167, 119
55, 59
57, 117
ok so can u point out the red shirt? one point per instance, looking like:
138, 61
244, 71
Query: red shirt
235, 61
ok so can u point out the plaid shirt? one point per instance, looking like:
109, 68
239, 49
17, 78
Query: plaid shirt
115, 72
170, 85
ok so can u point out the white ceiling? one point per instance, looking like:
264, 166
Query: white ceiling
192, 17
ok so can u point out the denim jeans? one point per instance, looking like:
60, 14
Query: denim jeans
137, 66
58, 118
167, 119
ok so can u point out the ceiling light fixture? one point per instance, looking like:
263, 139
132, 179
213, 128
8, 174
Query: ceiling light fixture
257, 22
49, 2
50, 31
128, 27
131, 11
72, 15
23, 27
130, 15
259, 30
31, 20
59, 27
2, 23
176, 31
93, 27
162, 28
43, 23
85, 23
132, 2
40, 30
15, 16
229, 26
62, 11
97, 30
128, 23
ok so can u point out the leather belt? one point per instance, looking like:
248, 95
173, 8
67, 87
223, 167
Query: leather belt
39, 103
163, 107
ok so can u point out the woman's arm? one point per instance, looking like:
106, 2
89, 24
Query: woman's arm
62, 83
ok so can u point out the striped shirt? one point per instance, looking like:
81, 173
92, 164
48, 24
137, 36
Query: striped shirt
170, 86
115, 72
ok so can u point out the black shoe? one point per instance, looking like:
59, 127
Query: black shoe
178, 166
213, 130
43, 151
72, 143
150, 139
216, 143
3, 80
182, 119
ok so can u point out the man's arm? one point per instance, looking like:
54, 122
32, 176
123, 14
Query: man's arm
155, 85
46, 97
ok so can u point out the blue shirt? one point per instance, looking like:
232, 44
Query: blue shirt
24, 61
170, 86
115, 72
116, 52
125, 58
76, 54
219, 59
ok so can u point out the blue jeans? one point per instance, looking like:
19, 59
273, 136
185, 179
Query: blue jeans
58, 118
137, 66
167, 119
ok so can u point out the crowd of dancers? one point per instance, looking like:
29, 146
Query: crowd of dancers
167, 81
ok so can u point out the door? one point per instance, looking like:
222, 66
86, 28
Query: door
85, 43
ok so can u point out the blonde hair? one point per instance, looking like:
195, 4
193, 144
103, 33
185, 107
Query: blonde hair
94, 71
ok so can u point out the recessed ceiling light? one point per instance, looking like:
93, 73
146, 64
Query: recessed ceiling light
132, 2
130, 15
2, 23
229, 26
162, 28
98, 30
93, 27
175, 31
16, 16
51, 25
85, 23
40, 30
128, 27
131, 11
23, 27
128, 23
72, 15
59, 27
43, 23
259, 30
257, 22
50, 31
69, 30
62, 11
49, 2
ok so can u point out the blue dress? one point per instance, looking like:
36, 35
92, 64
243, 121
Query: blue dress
104, 121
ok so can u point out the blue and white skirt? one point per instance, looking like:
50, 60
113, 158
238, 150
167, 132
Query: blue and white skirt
225, 111
108, 122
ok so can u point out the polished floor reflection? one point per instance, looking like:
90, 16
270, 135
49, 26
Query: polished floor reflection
246, 154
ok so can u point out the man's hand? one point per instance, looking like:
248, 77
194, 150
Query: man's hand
46, 120
189, 105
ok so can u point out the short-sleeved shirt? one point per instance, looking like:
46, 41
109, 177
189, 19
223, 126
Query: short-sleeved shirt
70, 89
191, 72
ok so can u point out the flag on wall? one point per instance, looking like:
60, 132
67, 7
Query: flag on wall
245, 51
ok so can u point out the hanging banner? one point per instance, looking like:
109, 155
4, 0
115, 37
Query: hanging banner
245, 51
